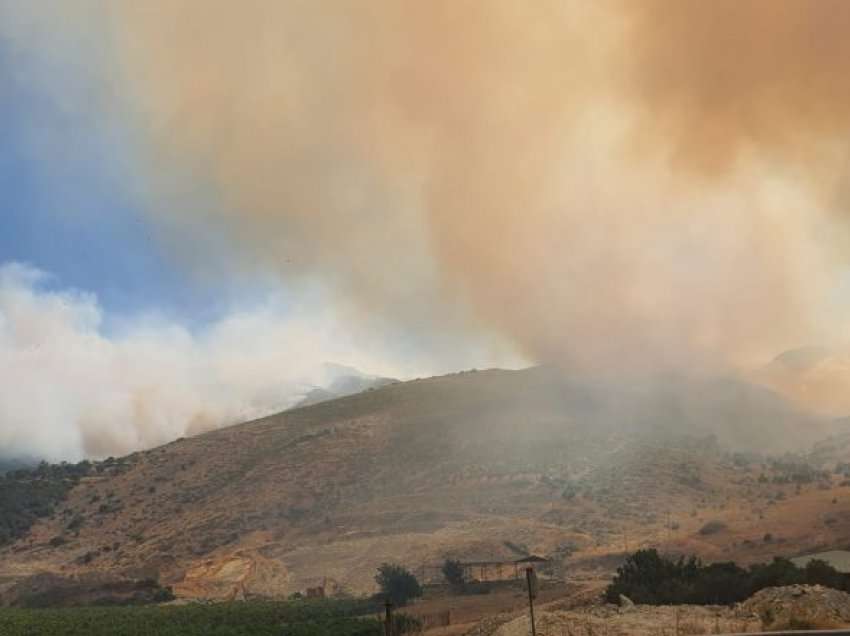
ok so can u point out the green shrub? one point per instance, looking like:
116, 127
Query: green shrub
397, 584
26, 495
712, 527
649, 578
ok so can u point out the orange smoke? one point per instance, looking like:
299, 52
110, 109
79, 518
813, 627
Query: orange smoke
727, 76
517, 166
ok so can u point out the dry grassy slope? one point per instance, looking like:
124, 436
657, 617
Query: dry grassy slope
457, 465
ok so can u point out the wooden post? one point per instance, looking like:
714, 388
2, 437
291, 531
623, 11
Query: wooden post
388, 620
531, 580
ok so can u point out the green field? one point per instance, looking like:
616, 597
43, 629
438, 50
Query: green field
251, 618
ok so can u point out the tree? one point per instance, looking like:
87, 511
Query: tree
819, 572
397, 584
454, 572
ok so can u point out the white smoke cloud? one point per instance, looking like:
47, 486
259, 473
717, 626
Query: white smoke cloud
69, 389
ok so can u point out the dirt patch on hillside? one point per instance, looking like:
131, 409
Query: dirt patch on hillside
234, 576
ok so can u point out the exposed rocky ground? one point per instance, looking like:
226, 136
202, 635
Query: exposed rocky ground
814, 604
799, 606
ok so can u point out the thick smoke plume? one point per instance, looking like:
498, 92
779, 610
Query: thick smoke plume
728, 78
67, 390
525, 166
611, 185
71, 387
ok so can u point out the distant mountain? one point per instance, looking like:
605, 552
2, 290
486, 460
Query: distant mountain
342, 381
815, 378
802, 358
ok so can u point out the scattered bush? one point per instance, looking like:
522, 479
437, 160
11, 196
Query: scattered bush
86, 558
111, 506
77, 522
712, 527
569, 492
796, 471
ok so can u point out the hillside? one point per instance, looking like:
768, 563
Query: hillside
477, 465
14, 463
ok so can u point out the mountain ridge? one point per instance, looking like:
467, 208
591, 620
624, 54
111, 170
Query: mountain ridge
459, 465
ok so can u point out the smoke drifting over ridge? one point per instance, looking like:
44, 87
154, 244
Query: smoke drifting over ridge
68, 390
611, 185
70, 387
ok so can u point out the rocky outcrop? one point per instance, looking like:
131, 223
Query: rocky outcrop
791, 607
813, 604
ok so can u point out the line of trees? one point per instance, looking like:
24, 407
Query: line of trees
649, 578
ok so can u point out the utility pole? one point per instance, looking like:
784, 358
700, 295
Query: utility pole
531, 579
388, 620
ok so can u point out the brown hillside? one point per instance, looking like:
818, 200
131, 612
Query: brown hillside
477, 465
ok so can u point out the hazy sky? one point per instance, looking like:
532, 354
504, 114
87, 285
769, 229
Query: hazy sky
111, 341
202, 200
